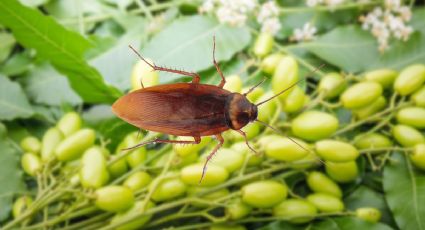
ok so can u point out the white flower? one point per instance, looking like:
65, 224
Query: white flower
392, 4
388, 23
233, 12
377, 12
267, 10
156, 24
383, 45
403, 33
268, 17
313, 3
306, 33
271, 25
243, 6
333, 2
207, 6
405, 13
381, 32
227, 15
394, 23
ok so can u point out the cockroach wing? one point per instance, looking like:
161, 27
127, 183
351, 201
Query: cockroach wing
182, 109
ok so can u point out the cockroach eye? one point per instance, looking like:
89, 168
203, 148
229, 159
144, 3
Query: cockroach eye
188, 109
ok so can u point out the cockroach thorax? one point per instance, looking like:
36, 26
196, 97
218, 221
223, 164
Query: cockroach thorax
239, 111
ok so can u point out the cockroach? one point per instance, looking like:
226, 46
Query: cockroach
189, 109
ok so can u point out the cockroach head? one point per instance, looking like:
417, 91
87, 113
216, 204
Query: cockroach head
239, 111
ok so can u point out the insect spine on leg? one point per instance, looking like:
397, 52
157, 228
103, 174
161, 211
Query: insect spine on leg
229, 110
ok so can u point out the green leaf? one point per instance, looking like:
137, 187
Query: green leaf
187, 43
7, 41
33, 3
402, 54
278, 225
13, 101
45, 85
11, 179
68, 12
69, 9
49, 114
63, 48
113, 129
348, 223
19, 63
123, 59
335, 223
418, 19
355, 50
322, 20
366, 197
16, 132
128, 21
97, 114
344, 115
404, 188
313, 60
350, 48
122, 4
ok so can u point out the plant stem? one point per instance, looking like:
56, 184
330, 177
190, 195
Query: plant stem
347, 6
103, 17
92, 220
385, 149
144, 9
128, 152
258, 219
187, 200
301, 60
246, 177
368, 119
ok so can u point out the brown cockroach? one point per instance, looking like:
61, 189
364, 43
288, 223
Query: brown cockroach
189, 109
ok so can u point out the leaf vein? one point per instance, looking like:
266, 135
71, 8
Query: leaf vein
414, 194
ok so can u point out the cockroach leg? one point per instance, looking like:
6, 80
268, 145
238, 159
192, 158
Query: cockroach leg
247, 143
217, 147
223, 80
141, 83
139, 132
195, 76
196, 140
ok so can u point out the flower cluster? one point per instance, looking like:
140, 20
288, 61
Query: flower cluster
313, 3
388, 22
268, 18
233, 12
236, 13
306, 33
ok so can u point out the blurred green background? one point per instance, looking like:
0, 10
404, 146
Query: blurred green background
64, 62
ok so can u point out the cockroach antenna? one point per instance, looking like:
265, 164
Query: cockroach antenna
141, 57
188, 109
291, 86
255, 86
281, 133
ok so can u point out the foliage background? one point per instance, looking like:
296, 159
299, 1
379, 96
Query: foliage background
56, 56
